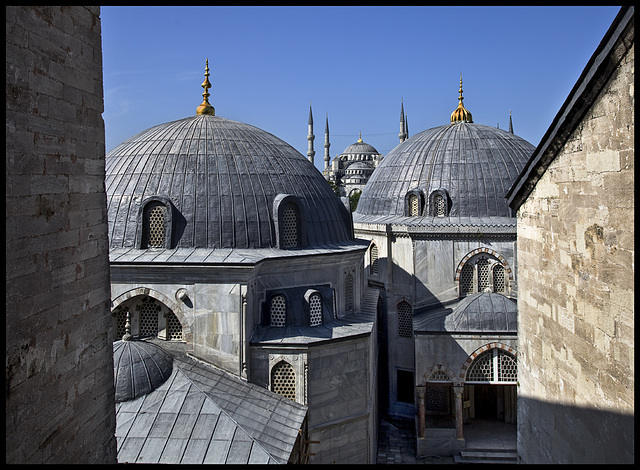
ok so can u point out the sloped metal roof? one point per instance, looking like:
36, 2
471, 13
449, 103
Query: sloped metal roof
475, 164
204, 415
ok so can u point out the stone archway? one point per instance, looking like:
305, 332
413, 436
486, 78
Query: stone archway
171, 310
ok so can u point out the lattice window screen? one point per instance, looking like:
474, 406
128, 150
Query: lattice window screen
405, 320
436, 398
289, 228
315, 310
483, 274
374, 259
507, 367
466, 280
439, 376
148, 311
283, 380
498, 278
481, 369
121, 320
348, 292
278, 311
414, 205
440, 206
156, 222
174, 327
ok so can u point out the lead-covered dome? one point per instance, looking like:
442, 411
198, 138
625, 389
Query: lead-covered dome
217, 183
472, 166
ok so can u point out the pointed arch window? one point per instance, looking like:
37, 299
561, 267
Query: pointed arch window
373, 259
315, 309
439, 203
414, 203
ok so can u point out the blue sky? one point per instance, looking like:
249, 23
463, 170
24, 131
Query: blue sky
355, 64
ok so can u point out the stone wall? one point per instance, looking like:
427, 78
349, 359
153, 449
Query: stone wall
576, 299
59, 355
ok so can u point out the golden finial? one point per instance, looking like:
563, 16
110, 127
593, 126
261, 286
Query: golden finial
360, 137
205, 107
461, 114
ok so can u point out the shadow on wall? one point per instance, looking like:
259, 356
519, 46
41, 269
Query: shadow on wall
554, 433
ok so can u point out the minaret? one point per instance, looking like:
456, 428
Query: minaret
403, 133
510, 123
310, 137
327, 158
406, 125
205, 107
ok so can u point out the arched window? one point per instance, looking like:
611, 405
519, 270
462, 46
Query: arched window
288, 217
289, 226
348, 293
373, 259
278, 311
440, 208
283, 380
495, 365
482, 273
315, 310
148, 309
405, 320
154, 223
439, 203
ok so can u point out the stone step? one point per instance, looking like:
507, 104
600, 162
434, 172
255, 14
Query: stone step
487, 457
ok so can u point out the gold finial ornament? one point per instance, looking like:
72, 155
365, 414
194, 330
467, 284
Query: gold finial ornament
205, 107
360, 137
461, 114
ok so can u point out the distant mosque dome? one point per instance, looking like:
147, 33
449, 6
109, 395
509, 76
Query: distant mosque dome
210, 182
361, 148
469, 166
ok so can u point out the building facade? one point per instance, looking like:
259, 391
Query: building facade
442, 256
575, 209
225, 238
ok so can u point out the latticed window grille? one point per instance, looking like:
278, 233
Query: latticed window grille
174, 327
481, 369
289, 225
436, 398
156, 226
405, 320
498, 278
414, 205
348, 293
283, 380
439, 376
315, 310
374, 259
466, 280
278, 311
440, 207
507, 367
148, 310
483, 274
495, 365
121, 320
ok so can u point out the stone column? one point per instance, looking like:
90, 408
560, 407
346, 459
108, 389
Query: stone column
458, 389
421, 411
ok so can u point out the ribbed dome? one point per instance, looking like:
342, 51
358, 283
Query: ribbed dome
222, 178
484, 312
138, 368
475, 164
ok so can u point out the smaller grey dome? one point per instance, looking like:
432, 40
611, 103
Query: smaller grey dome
360, 147
139, 368
483, 312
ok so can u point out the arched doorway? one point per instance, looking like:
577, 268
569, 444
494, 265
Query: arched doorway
490, 387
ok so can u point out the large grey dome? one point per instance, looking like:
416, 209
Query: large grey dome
475, 165
220, 178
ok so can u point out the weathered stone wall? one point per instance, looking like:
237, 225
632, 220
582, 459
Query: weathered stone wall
576, 299
59, 355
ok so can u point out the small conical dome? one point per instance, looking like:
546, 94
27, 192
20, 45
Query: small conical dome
483, 312
138, 368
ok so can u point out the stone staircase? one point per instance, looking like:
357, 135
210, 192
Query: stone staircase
494, 456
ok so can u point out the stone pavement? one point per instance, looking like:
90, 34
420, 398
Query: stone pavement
396, 444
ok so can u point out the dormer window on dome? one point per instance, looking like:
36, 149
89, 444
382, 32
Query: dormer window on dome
439, 203
414, 202
155, 221
288, 217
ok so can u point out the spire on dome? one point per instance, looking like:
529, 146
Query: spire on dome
403, 132
510, 123
205, 107
461, 114
360, 137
